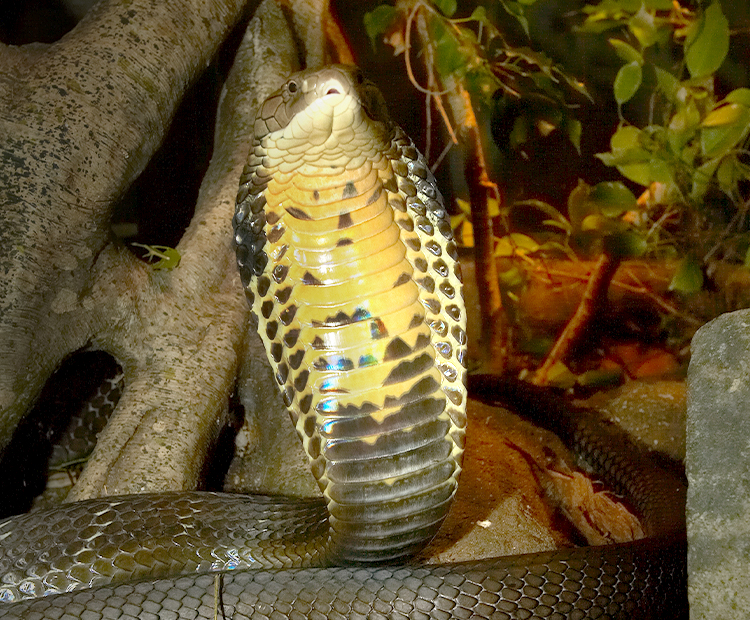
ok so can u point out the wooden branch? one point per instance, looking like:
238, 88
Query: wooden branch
591, 302
481, 191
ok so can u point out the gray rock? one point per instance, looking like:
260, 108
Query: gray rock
653, 412
718, 459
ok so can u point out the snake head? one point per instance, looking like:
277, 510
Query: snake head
323, 116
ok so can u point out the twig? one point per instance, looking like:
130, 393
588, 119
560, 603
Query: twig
591, 301
407, 45
480, 191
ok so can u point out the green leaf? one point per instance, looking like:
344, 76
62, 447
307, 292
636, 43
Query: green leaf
728, 173
643, 27
668, 84
613, 198
702, 178
638, 173
379, 20
594, 222
626, 51
625, 137
449, 55
574, 129
689, 277
739, 95
597, 26
720, 138
683, 126
482, 84
537, 346
479, 14
627, 82
515, 244
661, 172
689, 153
511, 278
560, 376
707, 43
446, 7
601, 377
628, 156
579, 207
627, 244
516, 10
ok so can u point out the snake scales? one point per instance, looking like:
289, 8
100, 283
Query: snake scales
348, 263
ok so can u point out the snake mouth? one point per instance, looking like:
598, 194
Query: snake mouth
335, 105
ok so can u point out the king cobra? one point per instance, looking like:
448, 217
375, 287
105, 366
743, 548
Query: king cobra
348, 262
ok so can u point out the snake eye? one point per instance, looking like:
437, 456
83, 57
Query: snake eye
292, 87
359, 78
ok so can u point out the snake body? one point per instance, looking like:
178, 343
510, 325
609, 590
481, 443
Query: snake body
348, 262
349, 265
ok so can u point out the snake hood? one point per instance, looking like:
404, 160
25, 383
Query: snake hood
332, 116
348, 261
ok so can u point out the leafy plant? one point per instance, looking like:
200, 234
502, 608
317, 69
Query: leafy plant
473, 69
473, 51
692, 151
687, 152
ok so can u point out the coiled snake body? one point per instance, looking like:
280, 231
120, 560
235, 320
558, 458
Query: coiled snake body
348, 262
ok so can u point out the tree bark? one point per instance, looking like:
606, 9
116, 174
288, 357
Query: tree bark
79, 121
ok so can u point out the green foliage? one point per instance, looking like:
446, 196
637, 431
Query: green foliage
515, 9
473, 51
628, 81
665, 152
707, 42
689, 277
636, 14
447, 7
693, 147
600, 218
379, 20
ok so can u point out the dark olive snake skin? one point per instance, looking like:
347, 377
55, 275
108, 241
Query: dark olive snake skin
347, 259
78, 439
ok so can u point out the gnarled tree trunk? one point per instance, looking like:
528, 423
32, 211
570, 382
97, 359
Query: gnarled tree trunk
79, 120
